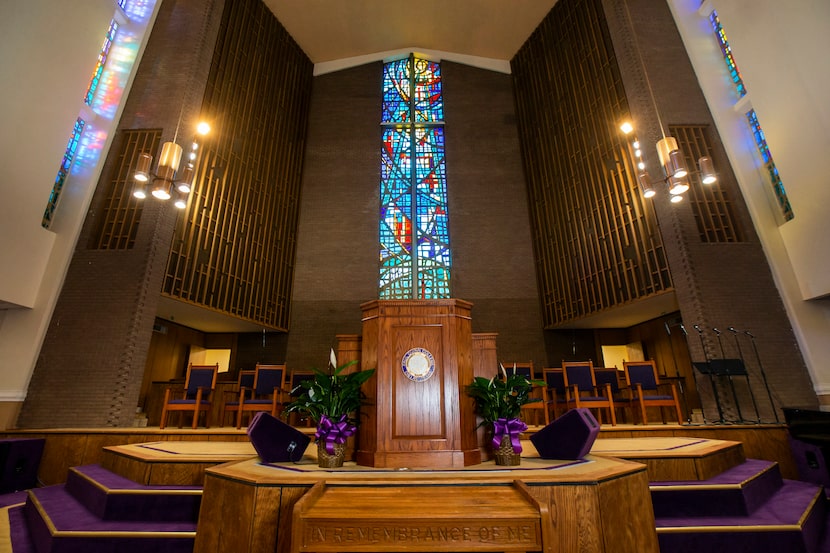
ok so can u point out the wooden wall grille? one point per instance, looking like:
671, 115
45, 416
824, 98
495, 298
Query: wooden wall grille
713, 210
120, 211
233, 249
596, 241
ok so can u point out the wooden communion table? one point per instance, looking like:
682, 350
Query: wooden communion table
596, 505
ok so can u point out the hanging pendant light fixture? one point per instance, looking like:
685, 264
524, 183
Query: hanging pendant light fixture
676, 175
672, 160
167, 179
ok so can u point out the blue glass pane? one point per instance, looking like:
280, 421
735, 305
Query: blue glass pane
102, 61
731, 66
772, 170
396, 92
429, 102
433, 236
63, 171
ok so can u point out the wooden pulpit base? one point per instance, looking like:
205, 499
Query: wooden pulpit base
598, 505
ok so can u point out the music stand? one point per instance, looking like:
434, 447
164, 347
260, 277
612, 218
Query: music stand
735, 367
704, 368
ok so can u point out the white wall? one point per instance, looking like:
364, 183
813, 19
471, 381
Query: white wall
48, 53
781, 52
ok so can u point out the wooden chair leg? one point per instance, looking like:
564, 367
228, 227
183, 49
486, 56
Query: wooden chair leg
677, 406
197, 408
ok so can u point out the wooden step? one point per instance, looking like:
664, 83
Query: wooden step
333, 518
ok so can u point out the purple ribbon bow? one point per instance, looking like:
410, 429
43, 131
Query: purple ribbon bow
511, 427
334, 432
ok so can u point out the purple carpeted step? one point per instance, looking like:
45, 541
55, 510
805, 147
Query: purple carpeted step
113, 497
792, 520
20, 540
59, 523
737, 491
12, 498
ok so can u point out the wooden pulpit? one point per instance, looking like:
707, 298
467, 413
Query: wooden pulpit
418, 413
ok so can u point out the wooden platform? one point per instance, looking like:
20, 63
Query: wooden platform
172, 463
583, 502
185, 462
674, 458
71, 447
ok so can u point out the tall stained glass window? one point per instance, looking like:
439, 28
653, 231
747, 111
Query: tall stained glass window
68, 156
102, 61
414, 236
752, 118
734, 74
769, 165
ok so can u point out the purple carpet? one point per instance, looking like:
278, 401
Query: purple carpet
748, 508
79, 530
113, 497
13, 498
735, 492
792, 519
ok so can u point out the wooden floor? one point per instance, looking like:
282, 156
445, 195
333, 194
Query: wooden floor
70, 447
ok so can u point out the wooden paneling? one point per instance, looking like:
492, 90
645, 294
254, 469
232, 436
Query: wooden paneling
426, 423
380, 518
121, 212
577, 505
233, 248
596, 241
713, 209
417, 406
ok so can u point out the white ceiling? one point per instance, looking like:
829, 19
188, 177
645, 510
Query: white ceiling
478, 32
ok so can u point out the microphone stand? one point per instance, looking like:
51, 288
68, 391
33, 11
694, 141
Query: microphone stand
763, 374
746, 372
729, 378
711, 377
678, 376
694, 378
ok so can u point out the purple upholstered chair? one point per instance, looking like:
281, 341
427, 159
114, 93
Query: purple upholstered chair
555, 388
195, 398
244, 387
581, 389
611, 377
269, 381
644, 384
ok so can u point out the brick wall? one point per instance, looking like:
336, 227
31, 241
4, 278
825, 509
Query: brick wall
337, 259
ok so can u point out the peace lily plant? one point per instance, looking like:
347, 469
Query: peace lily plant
332, 398
499, 401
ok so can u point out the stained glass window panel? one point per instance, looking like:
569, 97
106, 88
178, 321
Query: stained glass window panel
63, 171
769, 164
429, 102
731, 66
396, 92
433, 248
102, 61
413, 195
395, 216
